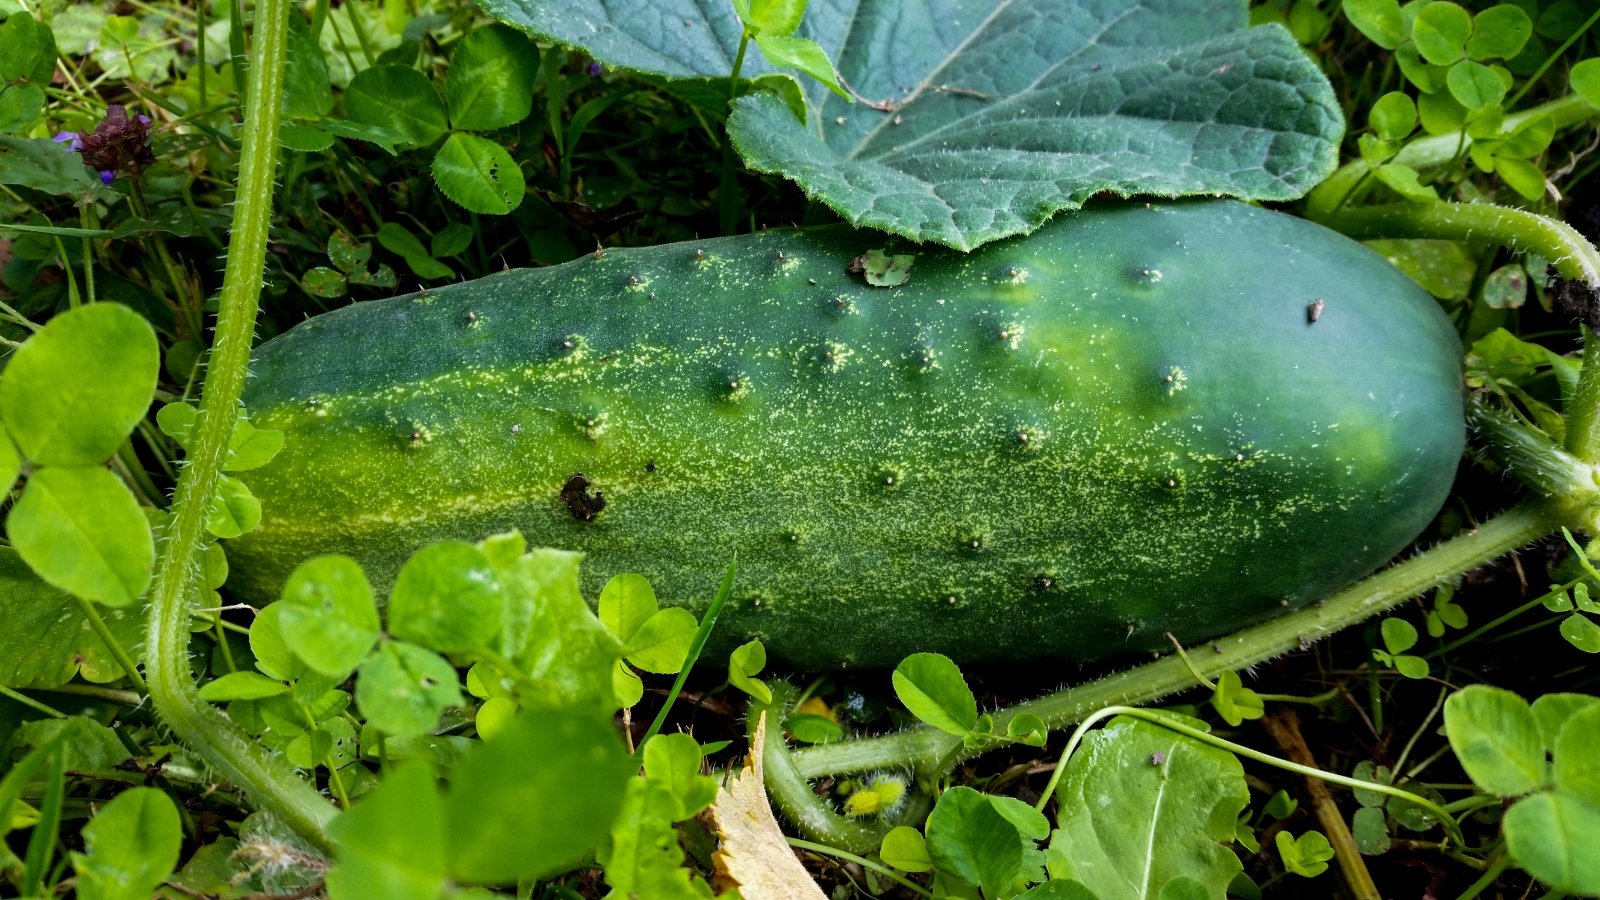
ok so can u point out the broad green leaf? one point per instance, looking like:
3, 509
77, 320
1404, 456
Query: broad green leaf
626, 603
1552, 836
966, 137
1440, 32
447, 597
1059, 890
329, 616
1398, 635
1306, 855
267, 645
970, 839
322, 281
347, 253
10, 461
176, 420
642, 854
494, 715
1411, 666
1029, 729
306, 91
46, 166
1185, 888
389, 138
391, 843
234, 510
250, 447
1552, 710
1575, 771
1581, 632
1504, 288
304, 138
242, 686
537, 798
626, 685
1140, 806
73, 392
1380, 20
802, 54
403, 688
1394, 116
1370, 829
779, 17
1585, 80
673, 761
1234, 702
558, 642
1440, 112
906, 850
1427, 77
744, 663
491, 78
45, 640
1524, 177
1499, 32
1281, 806
452, 240
132, 846
931, 686
83, 532
478, 175
662, 643
397, 239
1475, 85
397, 99
1497, 739
20, 107
808, 728
27, 50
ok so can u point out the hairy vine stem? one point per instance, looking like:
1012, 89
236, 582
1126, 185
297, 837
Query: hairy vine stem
268, 780
1571, 254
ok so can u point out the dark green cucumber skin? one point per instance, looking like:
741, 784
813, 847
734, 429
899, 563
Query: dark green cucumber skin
1065, 445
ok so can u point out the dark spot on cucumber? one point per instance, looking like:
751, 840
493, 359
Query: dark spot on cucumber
1045, 581
650, 466
1314, 311
575, 494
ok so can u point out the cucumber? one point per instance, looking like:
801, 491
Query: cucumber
1180, 417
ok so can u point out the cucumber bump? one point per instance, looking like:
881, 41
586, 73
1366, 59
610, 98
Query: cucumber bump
1128, 423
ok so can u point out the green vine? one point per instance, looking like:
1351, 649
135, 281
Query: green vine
269, 781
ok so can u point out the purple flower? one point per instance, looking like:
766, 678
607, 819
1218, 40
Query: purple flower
596, 70
118, 144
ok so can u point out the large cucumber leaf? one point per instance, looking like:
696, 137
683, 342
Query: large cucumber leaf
980, 119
